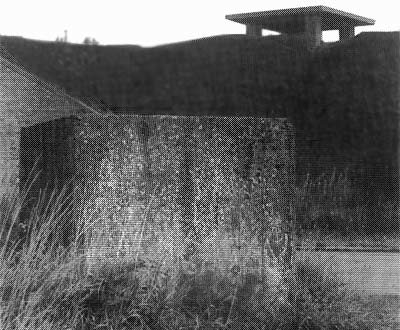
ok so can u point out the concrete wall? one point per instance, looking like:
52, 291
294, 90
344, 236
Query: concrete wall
197, 172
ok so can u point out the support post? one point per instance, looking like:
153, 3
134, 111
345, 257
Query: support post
313, 30
253, 30
346, 32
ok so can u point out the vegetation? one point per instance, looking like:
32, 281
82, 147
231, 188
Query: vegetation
330, 209
229, 281
44, 285
90, 41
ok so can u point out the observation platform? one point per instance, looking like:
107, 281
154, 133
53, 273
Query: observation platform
310, 21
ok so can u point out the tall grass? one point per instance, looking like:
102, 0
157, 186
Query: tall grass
324, 195
331, 208
47, 285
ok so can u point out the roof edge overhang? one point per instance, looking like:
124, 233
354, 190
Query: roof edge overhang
10, 62
275, 20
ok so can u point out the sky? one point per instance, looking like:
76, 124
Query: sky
151, 23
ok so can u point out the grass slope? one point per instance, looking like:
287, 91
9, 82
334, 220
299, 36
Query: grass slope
342, 98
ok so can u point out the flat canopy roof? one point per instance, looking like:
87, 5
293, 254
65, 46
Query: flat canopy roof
293, 20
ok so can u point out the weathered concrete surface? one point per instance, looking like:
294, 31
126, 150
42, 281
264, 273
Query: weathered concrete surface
199, 172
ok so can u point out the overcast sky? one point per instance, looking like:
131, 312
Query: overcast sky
151, 22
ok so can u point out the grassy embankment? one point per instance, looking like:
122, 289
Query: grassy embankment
43, 286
